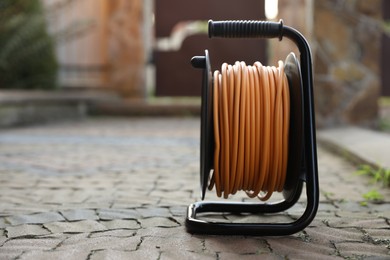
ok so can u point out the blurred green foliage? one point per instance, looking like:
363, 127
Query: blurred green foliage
27, 58
379, 175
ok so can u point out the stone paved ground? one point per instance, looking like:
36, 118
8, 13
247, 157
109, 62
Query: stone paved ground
118, 189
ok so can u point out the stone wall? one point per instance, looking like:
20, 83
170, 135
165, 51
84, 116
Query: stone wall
347, 60
345, 40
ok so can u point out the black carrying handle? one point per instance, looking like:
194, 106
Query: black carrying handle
246, 29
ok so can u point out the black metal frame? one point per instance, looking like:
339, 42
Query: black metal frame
304, 129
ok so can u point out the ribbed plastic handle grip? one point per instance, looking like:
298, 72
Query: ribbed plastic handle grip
246, 29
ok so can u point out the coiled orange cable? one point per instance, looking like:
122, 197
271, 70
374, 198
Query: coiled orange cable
251, 125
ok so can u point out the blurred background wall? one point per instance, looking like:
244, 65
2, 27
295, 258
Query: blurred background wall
100, 43
141, 49
348, 61
348, 54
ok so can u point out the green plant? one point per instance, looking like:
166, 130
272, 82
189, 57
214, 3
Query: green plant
373, 196
27, 58
379, 175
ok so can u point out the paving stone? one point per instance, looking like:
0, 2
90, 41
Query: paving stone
192, 244
182, 254
352, 206
154, 212
107, 195
158, 222
320, 221
58, 236
75, 227
232, 256
356, 215
125, 255
123, 203
179, 220
84, 205
79, 214
379, 236
9, 254
175, 195
178, 211
326, 235
360, 249
109, 214
17, 198
65, 195
26, 209
168, 185
3, 237
24, 245
114, 233
72, 238
236, 244
293, 248
168, 202
121, 224
383, 207
101, 243
26, 230
350, 221
326, 207
159, 232
39, 218
3, 223
58, 254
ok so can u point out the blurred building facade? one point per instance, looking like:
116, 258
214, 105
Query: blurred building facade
100, 43
345, 36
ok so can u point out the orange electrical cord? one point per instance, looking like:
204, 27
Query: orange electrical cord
251, 125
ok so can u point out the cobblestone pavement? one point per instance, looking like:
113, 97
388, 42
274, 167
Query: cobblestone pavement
112, 188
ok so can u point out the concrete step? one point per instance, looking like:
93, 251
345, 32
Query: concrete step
26, 107
361, 146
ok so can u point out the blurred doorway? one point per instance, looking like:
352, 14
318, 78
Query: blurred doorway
181, 33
